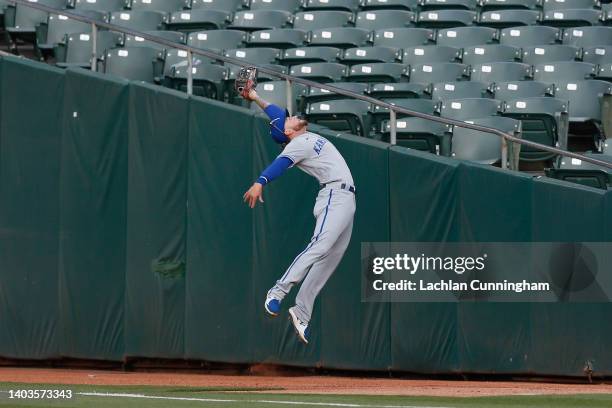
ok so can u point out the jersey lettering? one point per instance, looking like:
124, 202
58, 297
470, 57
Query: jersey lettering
319, 145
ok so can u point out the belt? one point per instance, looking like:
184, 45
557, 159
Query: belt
340, 185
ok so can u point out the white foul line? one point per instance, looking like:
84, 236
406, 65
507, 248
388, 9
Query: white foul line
279, 402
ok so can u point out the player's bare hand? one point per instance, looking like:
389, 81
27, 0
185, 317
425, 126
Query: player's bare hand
252, 95
253, 194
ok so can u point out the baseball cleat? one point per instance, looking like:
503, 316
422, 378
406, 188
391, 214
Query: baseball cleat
301, 328
272, 306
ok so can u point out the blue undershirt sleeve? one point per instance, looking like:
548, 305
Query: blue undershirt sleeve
275, 170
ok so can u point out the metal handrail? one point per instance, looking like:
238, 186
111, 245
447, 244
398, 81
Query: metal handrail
506, 137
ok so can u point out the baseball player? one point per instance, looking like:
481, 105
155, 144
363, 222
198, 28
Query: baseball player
334, 210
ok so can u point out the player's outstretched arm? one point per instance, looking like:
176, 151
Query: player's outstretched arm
273, 171
252, 96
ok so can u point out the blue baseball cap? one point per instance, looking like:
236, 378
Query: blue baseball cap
277, 117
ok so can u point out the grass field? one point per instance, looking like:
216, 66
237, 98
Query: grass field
87, 396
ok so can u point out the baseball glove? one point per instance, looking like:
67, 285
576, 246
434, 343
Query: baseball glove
245, 81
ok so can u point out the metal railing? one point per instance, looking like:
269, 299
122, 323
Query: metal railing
393, 109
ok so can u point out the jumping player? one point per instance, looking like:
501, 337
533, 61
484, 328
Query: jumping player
334, 210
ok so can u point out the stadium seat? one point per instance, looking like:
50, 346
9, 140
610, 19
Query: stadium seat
276, 92
604, 71
315, 20
225, 5
165, 6
314, 94
488, 53
442, 91
508, 18
217, 40
430, 54
345, 115
260, 20
587, 36
97, 5
306, 55
278, 38
500, 71
487, 5
379, 114
133, 41
255, 56
341, 37
571, 18
529, 36
469, 108
377, 19
207, 79
482, 147
606, 13
549, 53
509, 91
403, 37
140, 20
466, 36
23, 21
446, 18
585, 105
581, 172
448, 4
320, 71
401, 90
135, 63
552, 5
76, 52
175, 58
563, 71
362, 55
344, 5
57, 26
392, 4
284, 5
544, 120
597, 55
438, 72
199, 19
416, 133
377, 72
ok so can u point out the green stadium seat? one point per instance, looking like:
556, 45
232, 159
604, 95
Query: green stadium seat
285, 5
585, 104
378, 114
260, 20
58, 26
442, 91
508, 18
429, 54
597, 55
166, 6
403, 37
438, 72
134, 41
225, 5
469, 108
207, 79
564, 71
361, 55
482, 147
276, 92
344, 115
342, 37
314, 94
377, 19
278, 38
581, 172
306, 55
217, 40
139, 20
604, 71
377, 72
416, 133
320, 71
544, 120
549, 53
606, 13
401, 90
137, 64
255, 56
587, 36
466, 36
488, 53
509, 91
448, 4
23, 21
487, 5
314, 20
344, 5
571, 18
97, 5
446, 18
500, 71
175, 58
389, 4
553, 5
199, 19
528, 36
76, 52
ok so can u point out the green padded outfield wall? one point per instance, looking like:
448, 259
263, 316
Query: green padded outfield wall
123, 234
